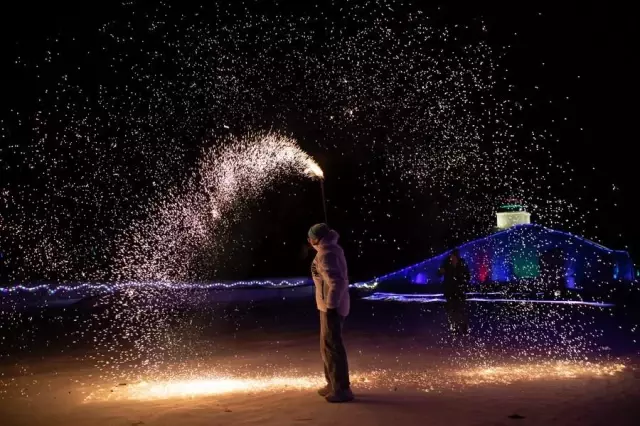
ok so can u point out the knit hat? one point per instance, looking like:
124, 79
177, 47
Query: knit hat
319, 231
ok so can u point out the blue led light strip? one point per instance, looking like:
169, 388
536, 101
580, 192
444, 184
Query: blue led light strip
430, 295
412, 298
52, 289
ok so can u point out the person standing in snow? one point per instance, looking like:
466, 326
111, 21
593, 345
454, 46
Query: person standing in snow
329, 272
456, 278
553, 274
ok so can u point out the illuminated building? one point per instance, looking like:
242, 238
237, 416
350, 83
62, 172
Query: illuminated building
512, 214
524, 252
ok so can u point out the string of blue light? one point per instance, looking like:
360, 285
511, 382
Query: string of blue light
431, 298
52, 288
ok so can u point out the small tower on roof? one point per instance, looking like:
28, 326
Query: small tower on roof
512, 213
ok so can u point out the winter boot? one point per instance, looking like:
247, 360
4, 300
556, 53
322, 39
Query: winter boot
324, 391
343, 395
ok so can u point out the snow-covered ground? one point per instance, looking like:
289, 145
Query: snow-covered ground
260, 364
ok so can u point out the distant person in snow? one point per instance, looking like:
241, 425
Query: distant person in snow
329, 272
552, 272
456, 279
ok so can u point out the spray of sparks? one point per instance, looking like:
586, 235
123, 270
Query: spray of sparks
189, 228
384, 79
119, 181
181, 237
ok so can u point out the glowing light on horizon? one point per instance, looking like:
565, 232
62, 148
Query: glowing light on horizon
543, 371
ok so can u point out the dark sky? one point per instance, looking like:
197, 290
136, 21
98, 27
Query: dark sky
572, 63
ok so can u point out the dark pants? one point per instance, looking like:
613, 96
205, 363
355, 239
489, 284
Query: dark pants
456, 307
334, 356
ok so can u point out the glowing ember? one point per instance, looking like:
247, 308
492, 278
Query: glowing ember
314, 169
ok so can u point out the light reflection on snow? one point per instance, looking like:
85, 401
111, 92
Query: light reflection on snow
432, 379
541, 371
153, 390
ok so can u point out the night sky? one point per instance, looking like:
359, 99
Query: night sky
105, 108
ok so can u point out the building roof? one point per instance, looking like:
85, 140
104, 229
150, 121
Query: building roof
535, 230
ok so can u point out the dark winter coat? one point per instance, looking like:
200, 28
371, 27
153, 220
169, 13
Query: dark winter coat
456, 278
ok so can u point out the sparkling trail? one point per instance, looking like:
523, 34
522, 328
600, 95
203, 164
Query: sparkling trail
189, 231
